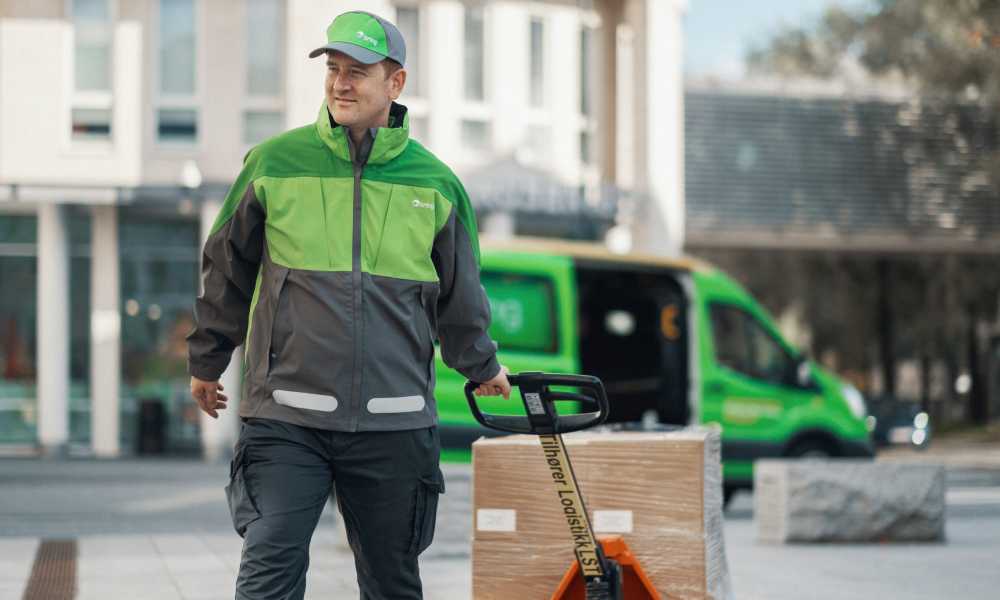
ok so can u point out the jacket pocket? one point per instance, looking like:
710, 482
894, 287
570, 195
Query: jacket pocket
276, 317
406, 235
429, 487
242, 507
424, 321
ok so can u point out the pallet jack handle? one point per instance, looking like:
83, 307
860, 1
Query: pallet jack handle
602, 576
539, 404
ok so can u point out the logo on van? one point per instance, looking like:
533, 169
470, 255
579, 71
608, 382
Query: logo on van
366, 39
418, 204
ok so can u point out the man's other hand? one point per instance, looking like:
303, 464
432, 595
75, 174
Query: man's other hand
498, 386
207, 395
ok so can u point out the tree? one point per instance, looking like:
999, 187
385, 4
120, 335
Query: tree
945, 51
946, 54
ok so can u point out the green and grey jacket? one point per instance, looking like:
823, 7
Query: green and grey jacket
339, 267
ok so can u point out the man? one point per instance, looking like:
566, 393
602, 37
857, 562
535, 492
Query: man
341, 252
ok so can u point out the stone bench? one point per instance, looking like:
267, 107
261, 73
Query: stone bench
842, 500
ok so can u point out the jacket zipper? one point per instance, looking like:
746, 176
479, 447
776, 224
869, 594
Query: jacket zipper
356, 292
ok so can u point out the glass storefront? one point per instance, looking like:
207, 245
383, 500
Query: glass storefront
159, 281
18, 271
78, 228
18, 327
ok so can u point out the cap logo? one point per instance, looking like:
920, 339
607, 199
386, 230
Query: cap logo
367, 39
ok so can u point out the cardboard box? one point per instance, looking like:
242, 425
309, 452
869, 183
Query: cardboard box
661, 491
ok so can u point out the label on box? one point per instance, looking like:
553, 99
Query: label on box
496, 519
613, 521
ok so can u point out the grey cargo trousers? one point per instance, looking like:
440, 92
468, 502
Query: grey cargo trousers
387, 485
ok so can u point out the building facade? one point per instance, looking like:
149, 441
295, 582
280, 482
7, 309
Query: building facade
123, 123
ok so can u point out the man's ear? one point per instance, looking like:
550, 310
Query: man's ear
397, 81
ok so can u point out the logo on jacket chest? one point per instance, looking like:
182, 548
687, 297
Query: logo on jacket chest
418, 204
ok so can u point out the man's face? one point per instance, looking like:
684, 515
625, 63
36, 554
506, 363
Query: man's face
357, 94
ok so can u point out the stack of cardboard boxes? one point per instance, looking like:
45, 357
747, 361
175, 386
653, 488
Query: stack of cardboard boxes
661, 491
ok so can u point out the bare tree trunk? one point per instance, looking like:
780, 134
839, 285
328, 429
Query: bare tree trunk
925, 382
951, 364
979, 412
887, 355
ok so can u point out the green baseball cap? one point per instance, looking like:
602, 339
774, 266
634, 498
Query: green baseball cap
365, 37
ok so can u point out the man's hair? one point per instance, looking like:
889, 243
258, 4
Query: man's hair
390, 67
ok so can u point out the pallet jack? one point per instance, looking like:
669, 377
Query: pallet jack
604, 569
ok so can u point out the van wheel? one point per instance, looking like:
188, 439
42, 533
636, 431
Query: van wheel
812, 448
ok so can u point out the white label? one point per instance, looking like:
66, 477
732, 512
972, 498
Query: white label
534, 403
613, 521
496, 519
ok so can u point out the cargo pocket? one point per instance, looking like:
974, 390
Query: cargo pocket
425, 511
242, 507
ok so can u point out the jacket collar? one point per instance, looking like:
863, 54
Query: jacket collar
389, 141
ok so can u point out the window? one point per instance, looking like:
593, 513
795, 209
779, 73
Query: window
729, 337
523, 309
264, 47
768, 360
475, 135
586, 67
177, 116
264, 113
418, 128
260, 125
587, 61
586, 147
179, 125
91, 123
90, 113
78, 230
18, 328
408, 22
475, 57
92, 45
537, 62
177, 47
744, 345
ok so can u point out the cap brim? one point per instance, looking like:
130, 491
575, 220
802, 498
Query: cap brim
362, 55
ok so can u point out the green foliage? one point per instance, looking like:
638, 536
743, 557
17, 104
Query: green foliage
946, 52
945, 48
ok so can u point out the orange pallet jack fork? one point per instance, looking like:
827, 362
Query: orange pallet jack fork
602, 571
635, 584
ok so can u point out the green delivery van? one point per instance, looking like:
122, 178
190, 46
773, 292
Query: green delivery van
675, 341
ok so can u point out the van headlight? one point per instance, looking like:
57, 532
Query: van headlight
855, 401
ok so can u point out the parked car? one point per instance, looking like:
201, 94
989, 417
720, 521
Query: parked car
900, 423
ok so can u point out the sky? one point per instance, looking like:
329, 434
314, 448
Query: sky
717, 33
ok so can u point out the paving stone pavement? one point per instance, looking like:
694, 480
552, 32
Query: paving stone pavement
163, 532
159, 529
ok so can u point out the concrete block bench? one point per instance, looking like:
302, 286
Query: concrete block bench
848, 501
